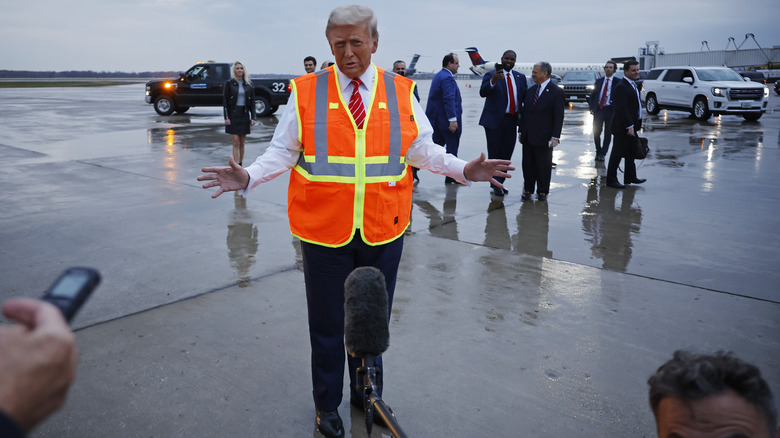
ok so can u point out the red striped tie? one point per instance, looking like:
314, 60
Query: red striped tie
603, 101
356, 104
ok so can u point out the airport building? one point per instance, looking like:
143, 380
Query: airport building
766, 60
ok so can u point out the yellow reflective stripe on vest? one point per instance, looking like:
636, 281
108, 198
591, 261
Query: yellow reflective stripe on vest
341, 169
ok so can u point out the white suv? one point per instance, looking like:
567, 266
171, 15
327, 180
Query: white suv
703, 91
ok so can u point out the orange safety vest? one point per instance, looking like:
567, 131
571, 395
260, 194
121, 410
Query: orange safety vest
348, 178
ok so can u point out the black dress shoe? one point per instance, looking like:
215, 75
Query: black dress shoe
526, 196
615, 184
636, 181
541, 196
329, 424
356, 402
498, 192
505, 190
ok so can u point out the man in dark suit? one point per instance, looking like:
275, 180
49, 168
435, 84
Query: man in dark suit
626, 123
504, 91
444, 108
600, 102
541, 124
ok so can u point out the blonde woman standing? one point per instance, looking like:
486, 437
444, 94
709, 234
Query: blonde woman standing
238, 108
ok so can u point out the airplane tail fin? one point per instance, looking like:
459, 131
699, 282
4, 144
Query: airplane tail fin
474, 55
414, 61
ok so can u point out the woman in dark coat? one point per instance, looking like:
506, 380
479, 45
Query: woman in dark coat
239, 108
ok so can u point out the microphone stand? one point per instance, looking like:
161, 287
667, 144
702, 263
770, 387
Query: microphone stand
372, 400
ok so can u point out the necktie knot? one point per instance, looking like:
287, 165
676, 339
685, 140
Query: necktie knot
356, 104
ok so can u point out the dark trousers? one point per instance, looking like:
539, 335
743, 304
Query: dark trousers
501, 143
325, 270
620, 150
450, 140
602, 119
537, 168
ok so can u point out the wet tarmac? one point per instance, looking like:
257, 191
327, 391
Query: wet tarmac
537, 319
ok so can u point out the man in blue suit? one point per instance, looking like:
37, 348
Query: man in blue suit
540, 131
444, 108
600, 102
504, 91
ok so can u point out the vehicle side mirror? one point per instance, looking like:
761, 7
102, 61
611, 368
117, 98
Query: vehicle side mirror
746, 79
688, 81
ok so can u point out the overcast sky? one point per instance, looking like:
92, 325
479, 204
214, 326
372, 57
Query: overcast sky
275, 36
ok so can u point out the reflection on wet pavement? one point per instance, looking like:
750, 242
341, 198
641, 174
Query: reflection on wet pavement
241, 240
608, 228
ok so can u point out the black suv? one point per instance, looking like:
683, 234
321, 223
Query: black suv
578, 84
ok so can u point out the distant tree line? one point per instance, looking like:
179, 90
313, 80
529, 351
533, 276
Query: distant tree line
21, 74
16, 74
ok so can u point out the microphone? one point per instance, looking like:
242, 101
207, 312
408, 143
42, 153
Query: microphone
367, 335
366, 330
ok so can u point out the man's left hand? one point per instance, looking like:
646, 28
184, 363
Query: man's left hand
480, 169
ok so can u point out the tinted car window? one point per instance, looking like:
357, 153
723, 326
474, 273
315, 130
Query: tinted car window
673, 75
579, 76
718, 74
654, 74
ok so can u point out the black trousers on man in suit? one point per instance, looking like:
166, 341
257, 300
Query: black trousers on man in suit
602, 121
450, 140
325, 270
537, 168
501, 142
623, 148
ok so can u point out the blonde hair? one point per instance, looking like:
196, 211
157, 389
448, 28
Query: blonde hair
246, 73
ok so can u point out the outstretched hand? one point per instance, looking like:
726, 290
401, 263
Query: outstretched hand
228, 179
480, 169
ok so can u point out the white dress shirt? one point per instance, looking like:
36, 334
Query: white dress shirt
285, 149
509, 77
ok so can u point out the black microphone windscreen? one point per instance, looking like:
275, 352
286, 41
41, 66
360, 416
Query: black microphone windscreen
366, 328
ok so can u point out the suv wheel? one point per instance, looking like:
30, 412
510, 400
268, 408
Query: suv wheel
700, 109
652, 104
164, 105
262, 106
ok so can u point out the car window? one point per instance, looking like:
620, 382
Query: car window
654, 74
579, 76
199, 73
673, 75
718, 74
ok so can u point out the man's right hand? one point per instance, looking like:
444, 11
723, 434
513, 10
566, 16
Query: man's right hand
231, 178
497, 76
37, 361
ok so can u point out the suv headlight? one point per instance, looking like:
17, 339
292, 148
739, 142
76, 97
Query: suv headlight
720, 92
590, 87
766, 92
